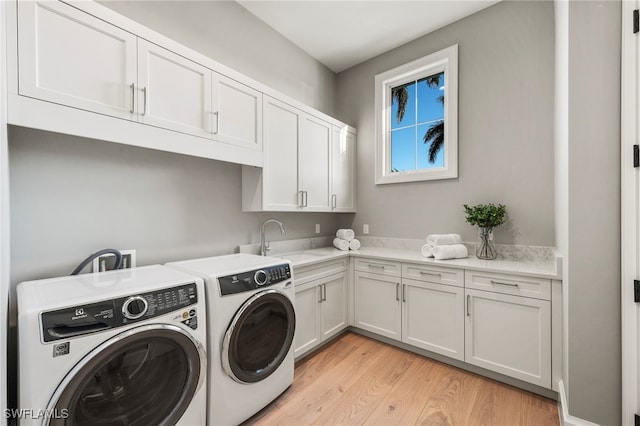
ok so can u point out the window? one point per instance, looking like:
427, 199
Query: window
416, 119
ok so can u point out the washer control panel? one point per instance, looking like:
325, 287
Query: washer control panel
83, 319
254, 279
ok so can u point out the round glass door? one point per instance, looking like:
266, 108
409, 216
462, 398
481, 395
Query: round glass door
259, 337
145, 378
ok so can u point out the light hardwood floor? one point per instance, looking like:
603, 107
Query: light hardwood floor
356, 380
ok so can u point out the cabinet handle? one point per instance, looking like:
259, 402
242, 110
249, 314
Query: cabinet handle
433, 274
320, 291
301, 199
376, 265
334, 202
144, 98
468, 303
501, 283
305, 197
397, 290
133, 98
324, 292
217, 115
404, 293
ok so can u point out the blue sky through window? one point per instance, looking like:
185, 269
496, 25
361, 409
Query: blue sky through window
423, 110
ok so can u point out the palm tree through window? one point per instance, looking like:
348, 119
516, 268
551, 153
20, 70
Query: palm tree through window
417, 124
416, 106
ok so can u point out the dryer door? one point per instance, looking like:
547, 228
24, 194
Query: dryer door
259, 337
147, 375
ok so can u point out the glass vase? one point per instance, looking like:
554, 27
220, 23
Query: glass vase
486, 249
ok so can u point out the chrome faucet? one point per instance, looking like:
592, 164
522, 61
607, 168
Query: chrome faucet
264, 245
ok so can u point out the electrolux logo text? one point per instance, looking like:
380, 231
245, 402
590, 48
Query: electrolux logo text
29, 413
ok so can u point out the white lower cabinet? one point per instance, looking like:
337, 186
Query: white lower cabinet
499, 322
510, 335
321, 311
377, 304
432, 317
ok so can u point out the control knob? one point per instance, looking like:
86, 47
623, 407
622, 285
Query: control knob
134, 307
260, 277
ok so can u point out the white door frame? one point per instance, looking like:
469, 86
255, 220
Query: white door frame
4, 213
630, 199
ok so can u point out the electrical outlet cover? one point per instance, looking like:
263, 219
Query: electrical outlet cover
128, 260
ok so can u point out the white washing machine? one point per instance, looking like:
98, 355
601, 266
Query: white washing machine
116, 348
251, 327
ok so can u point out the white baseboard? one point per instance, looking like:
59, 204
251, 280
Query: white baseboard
567, 419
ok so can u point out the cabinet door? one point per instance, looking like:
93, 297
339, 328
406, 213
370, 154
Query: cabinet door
237, 111
343, 170
315, 144
377, 304
173, 92
433, 317
333, 317
72, 58
307, 333
510, 335
280, 171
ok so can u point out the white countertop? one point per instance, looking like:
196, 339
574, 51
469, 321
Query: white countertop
547, 268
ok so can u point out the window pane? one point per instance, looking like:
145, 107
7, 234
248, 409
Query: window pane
406, 92
436, 129
403, 149
431, 98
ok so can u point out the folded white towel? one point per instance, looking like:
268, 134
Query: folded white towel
443, 239
354, 244
341, 244
346, 234
427, 250
451, 251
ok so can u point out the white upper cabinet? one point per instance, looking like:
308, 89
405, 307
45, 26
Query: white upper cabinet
314, 167
304, 157
173, 92
343, 169
297, 171
237, 113
69, 57
279, 183
79, 66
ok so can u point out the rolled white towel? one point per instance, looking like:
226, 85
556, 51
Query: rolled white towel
451, 251
354, 244
346, 234
443, 239
341, 244
427, 250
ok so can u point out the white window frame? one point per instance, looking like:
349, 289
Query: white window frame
445, 60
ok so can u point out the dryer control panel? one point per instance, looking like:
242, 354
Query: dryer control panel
78, 320
254, 279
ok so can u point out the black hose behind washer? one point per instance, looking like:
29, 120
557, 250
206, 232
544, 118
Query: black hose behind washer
89, 259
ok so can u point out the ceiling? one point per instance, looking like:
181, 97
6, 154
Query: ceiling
341, 34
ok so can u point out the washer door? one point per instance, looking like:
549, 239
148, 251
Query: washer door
259, 337
144, 376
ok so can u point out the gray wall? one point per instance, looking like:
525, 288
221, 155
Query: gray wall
72, 196
228, 33
594, 388
506, 81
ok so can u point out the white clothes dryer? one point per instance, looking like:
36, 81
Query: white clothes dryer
124, 347
250, 305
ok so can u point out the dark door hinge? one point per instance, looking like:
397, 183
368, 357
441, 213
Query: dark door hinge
636, 156
636, 21
636, 293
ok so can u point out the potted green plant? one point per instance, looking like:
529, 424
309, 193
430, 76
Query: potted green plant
487, 217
